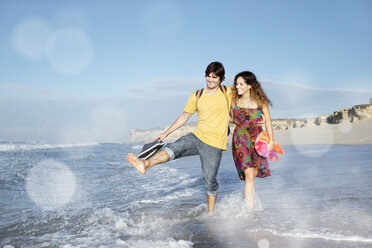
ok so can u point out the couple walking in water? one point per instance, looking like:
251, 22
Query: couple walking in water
245, 104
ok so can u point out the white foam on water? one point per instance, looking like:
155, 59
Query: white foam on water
345, 215
162, 177
50, 184
166, 198
164, 184
101, 228
170, 243
233, 206
313, 235
180, 194
151, 224
231, 216
291, 213
105, 226
197, 211
140, 225
26, 146
188, 181
120, 224
295, 220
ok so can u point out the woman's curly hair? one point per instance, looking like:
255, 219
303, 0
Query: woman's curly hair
257, 93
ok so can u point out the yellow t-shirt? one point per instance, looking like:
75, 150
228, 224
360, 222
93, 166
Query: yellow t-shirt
213, 115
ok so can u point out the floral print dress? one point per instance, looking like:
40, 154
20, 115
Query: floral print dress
244, 136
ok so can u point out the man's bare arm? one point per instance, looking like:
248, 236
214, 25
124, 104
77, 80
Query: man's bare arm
179, 122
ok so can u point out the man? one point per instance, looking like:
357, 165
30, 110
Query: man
209, 138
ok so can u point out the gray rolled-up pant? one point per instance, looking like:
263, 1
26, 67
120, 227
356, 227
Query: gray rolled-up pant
210, 158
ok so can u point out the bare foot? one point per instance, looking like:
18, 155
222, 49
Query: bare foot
138, 163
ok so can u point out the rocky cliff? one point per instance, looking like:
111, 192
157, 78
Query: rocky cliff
356, 113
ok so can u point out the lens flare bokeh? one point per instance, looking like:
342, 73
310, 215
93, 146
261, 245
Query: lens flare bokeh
50, 184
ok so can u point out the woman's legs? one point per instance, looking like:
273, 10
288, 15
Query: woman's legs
248, 192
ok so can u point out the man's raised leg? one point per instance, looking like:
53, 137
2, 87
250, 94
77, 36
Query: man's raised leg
143, 165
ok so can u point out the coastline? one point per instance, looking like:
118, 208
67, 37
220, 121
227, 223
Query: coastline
350, 126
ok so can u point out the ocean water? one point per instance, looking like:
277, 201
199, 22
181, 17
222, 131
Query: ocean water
87, 195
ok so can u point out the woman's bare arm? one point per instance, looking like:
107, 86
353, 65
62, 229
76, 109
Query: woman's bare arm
268, 124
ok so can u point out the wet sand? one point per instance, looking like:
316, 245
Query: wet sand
348, 133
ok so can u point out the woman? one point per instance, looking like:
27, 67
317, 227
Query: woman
249, 107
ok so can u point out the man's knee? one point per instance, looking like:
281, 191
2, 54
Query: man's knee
184, 146
169, 152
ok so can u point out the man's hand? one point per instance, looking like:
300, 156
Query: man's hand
161, 136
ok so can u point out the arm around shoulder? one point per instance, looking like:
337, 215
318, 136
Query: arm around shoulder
231, 119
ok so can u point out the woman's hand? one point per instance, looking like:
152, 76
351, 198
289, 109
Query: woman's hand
270, 146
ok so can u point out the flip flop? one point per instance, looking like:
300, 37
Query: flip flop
150, 149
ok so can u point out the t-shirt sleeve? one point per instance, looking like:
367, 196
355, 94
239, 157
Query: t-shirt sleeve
190, 105
229, 93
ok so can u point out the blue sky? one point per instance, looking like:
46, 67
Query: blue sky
75, 71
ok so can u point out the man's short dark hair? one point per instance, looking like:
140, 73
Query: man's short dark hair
216, 68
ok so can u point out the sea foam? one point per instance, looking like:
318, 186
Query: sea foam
32, 146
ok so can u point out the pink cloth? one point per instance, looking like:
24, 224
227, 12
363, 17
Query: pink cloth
261, 143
